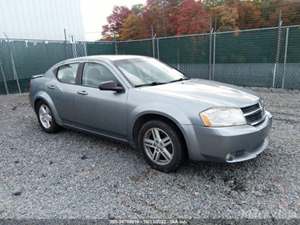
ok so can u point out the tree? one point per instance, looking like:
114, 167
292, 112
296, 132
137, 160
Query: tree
290, 12
133, 28
225, 18
192, 18
171, 17
249, 15
236, 14
115, 21
161, 16
137, 9
212, 3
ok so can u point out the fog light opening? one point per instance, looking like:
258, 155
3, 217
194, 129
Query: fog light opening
229, 157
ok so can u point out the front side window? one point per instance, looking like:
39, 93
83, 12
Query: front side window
94, 74
144, 71
67, 73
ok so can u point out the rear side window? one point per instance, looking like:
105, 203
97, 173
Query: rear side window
94, 74
67, 73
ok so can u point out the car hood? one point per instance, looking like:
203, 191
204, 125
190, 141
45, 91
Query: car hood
204, 91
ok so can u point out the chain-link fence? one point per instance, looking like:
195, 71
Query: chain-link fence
138, 47
267, 57
189, 54
20, 59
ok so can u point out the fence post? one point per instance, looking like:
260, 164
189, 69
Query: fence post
285, 55
74, 50
4, 78
116, 47
74, 47
177, 55
14, 68
116, 44
277, 52
214, 56
84, 48
65, 43
153, 46
157, 47
210, 54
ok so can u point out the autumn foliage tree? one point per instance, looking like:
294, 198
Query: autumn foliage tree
133, 28
176, 17
249, 15
160, 15
225, 17
192, 18
115, 21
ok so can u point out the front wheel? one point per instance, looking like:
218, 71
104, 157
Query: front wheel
161, 145
46, 118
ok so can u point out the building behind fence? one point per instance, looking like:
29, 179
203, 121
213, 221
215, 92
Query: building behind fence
267, 57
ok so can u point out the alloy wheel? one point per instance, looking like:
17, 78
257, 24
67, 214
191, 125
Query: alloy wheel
158, 146
45, 116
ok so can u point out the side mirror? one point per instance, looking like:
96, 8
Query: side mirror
111, 86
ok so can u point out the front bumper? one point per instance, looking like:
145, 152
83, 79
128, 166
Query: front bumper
227, 144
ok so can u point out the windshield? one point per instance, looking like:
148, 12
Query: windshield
147, 71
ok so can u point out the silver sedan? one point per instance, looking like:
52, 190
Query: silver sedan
153, 107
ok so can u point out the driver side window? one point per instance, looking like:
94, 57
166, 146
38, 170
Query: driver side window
94, 74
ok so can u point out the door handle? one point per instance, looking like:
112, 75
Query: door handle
82, 92
51, 86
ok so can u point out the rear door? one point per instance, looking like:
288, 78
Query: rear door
63, 89
102, 111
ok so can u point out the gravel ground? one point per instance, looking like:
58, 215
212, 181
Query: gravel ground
75, 175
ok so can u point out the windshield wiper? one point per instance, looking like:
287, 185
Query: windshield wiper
158, 83
180, 79
150, 84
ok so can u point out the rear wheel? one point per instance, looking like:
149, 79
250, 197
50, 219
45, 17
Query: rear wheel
46, 118
161, 145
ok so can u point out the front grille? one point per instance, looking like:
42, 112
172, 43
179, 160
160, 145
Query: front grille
250, 108
254, 114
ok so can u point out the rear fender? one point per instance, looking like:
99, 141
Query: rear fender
45, 97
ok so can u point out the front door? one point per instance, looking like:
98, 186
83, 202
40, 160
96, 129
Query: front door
102, 111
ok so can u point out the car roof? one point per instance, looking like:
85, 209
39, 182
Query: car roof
115, 57
102, 57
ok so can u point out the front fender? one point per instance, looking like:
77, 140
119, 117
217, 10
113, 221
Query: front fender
42, 95
169, 111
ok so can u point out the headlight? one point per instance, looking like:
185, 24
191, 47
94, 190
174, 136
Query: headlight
223, 117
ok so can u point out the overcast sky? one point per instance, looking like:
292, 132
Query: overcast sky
94, 13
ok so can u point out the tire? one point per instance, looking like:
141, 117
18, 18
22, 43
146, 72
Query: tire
46, 118
153, 142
